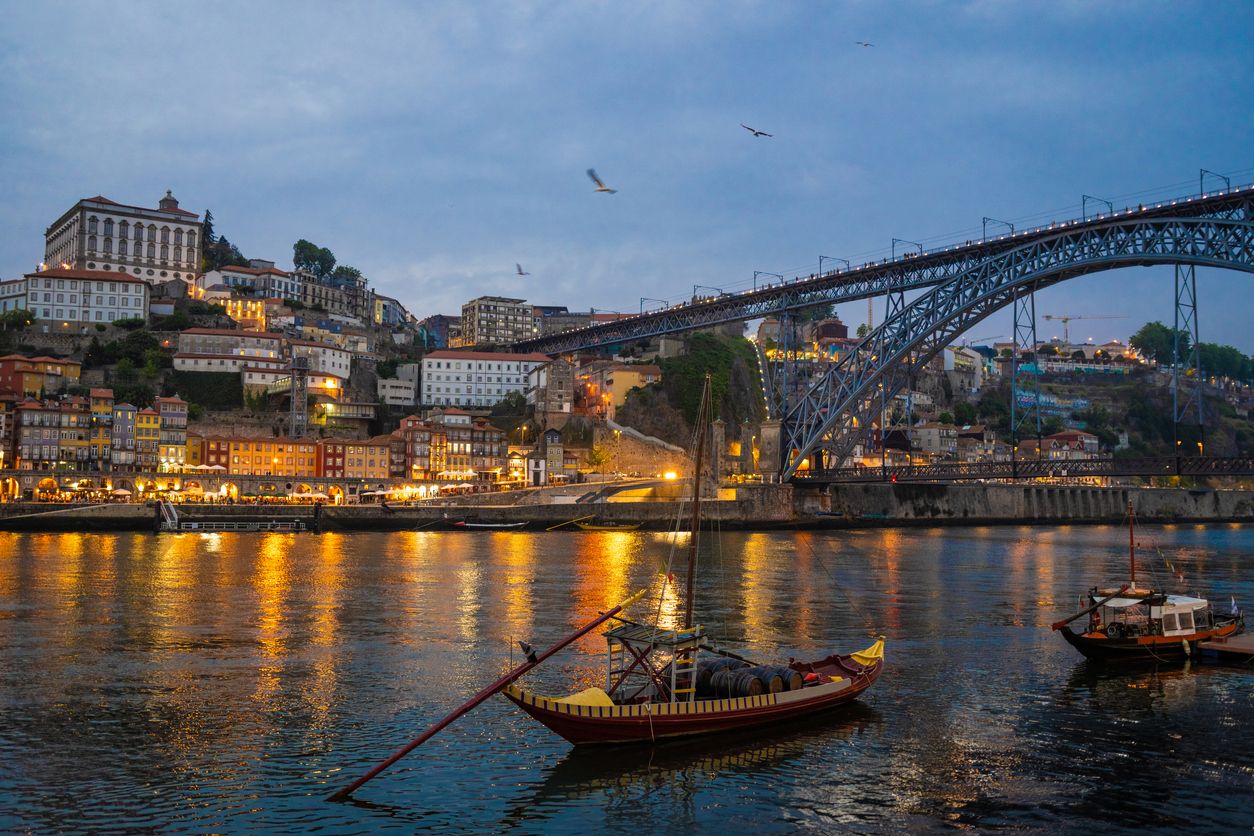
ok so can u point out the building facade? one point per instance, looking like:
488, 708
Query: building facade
474, 378
77, 298
495, 320
97, 233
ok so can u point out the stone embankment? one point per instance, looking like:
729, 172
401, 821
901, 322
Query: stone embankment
658, 506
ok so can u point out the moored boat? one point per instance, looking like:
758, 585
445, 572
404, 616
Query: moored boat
1131, 622
487, 526
607, 526
666, 681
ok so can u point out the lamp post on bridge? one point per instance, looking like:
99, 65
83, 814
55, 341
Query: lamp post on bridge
1201, 180
757, 273
984, 236
1084, 205
697, 287
644, 299
848, 266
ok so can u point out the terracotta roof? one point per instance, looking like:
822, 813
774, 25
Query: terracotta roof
102, 199
97, 275
233, 332
174, 399
101, 393
316, 344
233, 357
46, 359
254, 271
486, 355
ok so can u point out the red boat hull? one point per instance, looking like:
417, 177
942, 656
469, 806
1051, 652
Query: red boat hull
589, 724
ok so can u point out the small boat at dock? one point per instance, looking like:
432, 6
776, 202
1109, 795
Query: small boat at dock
1130, 622
607, 526
488, 526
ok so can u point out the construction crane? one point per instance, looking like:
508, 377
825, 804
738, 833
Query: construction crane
967, 343
1066, 318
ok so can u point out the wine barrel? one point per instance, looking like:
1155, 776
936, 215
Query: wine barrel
706, 669
769, 676
735, 683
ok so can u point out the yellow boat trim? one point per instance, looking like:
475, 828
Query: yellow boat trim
871, 655
568, 705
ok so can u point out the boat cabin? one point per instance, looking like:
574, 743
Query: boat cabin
651, 664
1155, 615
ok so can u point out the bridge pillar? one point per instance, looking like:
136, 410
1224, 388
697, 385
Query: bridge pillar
771, 454
1186, 358
718, 449
1024, 340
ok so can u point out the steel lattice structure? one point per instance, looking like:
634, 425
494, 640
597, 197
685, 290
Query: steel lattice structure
1198, 466
901, 275
1220, 235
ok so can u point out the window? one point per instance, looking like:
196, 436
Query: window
108, 246
123, 228
152, 232
152, 250
1170, 624
139, 248
165, 235
91, 225
165, 252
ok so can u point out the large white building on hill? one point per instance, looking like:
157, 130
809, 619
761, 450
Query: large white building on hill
155, 245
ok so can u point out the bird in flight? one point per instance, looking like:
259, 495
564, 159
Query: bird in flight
521, 271
863, 43
754, 131
601, 187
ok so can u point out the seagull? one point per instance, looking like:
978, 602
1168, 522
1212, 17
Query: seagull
754, 131
863, 43
601, 187
521, 271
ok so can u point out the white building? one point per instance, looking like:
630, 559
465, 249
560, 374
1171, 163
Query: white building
100, 234
474, 378
77, 297
397, 392
323, 357
260, 278
225, 350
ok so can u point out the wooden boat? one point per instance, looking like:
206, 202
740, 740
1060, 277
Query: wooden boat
1130, 622
664, 683
503, 526
609, 526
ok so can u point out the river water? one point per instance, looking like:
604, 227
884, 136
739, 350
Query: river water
229, 682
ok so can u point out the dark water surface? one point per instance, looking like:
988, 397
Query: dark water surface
227, 683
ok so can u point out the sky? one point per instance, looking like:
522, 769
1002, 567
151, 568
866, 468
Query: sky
435, 145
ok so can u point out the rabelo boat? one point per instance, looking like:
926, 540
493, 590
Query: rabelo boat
1132, 622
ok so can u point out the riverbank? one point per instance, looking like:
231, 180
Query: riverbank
757, 507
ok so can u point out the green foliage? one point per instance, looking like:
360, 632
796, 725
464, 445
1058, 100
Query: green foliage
177, 321
307, 255
199, 307
597, 457
124, 372
101, 327
195, 412
208, 235
294, 304
136, 394
945, 418
17, 318
682, 377
1097, 421
863, 330
130, 323
1078, 354
1155, 340
386, 369
514, 403
964, 413
155, 360
212, 390
1225, 361
346, 274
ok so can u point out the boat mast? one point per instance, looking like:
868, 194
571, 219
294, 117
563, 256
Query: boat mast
702, 415
1131, 544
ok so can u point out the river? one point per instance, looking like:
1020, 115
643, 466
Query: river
229, 682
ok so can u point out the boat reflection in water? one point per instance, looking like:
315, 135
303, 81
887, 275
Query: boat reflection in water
682, 768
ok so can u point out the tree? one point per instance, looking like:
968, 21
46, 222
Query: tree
207, 234
863, 330
124, 371
964, 413
945, 418
514, 403
345, 274
1155, 341
597, 458
1050, 350
1079, 354
17, 318
307, 255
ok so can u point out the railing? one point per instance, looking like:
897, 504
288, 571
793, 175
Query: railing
1193, 466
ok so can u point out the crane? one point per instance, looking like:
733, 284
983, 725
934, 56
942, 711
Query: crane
967, 342
1066, 318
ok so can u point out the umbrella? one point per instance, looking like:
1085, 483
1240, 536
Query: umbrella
120, 492
214, 467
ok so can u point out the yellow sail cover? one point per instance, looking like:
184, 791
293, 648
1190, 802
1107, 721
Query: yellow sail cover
871, 655
589, 696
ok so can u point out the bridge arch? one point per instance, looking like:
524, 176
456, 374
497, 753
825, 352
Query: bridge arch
849, 393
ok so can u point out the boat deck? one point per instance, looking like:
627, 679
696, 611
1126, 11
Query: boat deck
1234, 647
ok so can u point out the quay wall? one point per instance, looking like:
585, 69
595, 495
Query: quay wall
753, 507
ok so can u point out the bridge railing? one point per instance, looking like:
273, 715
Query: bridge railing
1194, 466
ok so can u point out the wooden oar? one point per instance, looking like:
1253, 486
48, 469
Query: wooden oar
478, 698
1058, 625
568, 522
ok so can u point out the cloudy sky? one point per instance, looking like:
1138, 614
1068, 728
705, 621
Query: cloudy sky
434, 145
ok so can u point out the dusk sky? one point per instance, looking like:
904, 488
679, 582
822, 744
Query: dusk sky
435, 145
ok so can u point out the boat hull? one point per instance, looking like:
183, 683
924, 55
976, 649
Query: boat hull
592, 724
1145, 648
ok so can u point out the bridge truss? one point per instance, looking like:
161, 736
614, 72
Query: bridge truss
824, 423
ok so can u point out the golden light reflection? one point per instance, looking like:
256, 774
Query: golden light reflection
756, 604
271, 581
518, 556
890, 546
603, 560
327, 588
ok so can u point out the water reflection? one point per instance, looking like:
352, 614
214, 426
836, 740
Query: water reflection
219, 682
